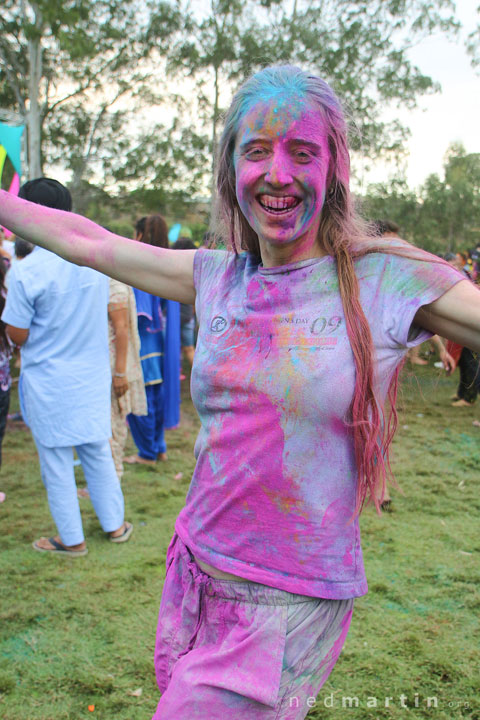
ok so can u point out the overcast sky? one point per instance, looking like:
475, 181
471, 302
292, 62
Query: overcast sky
449, 116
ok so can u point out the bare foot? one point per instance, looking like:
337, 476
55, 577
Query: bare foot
461, 403
163, 457
137, 460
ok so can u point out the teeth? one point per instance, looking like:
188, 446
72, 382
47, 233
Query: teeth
270, 202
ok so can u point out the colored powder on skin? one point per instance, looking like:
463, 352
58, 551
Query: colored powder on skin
284, 125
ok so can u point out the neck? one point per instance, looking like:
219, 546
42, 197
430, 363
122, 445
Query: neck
277, 255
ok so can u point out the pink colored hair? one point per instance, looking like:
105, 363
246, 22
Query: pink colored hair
343, 236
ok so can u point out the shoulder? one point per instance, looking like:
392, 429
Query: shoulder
219, 265
405, 275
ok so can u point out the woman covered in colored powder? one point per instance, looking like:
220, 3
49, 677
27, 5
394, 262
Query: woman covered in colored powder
303, 326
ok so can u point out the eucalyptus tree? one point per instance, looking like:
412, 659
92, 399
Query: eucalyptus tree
80, 53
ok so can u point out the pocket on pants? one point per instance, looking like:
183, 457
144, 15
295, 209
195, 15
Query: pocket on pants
239, 649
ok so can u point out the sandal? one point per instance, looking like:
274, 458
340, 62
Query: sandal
127, 531
58, 548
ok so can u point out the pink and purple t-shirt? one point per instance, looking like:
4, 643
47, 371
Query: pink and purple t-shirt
273, 492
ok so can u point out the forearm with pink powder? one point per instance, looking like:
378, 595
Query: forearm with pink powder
71, 236
83, 242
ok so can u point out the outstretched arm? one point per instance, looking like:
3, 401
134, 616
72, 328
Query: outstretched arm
167, 273
455, 315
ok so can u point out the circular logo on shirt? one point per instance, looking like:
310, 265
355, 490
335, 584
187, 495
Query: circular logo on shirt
218, 324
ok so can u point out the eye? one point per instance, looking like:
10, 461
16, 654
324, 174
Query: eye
303, 156
256, 153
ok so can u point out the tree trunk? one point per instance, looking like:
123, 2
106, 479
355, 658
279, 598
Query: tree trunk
34, 117
214, 129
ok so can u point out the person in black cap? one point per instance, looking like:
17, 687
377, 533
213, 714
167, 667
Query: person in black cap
57, 313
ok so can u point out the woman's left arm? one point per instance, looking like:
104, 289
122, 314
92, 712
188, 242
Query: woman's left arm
455, 315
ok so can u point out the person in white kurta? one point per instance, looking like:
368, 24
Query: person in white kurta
65, 386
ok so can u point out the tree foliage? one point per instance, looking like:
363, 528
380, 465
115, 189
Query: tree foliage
445, 216
473, 43
64, 65
361, 48
89, 76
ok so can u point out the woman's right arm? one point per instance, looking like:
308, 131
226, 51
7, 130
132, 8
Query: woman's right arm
167, 273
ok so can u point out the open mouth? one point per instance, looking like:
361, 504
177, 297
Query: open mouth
278, 205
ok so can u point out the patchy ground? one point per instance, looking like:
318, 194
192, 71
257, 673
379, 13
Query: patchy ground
77, 636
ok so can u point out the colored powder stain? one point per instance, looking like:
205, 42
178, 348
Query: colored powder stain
285, 505
265, 433
334, 511
339, 427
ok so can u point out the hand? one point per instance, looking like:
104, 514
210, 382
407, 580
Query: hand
448, 362
120, 386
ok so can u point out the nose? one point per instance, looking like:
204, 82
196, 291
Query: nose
278, 173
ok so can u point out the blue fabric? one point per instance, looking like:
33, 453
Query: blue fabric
152, 348
174, 233
171, 365
65, 380
160, 349
150, 307
10, 138
148, 430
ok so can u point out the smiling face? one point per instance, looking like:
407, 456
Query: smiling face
281, 166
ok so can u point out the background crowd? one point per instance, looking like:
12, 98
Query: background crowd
99, 357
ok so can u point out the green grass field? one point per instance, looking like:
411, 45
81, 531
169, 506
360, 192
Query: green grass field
79, 634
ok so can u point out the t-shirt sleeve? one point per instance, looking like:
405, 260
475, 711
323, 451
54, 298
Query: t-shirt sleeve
19, 307
208, 268
406, 285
